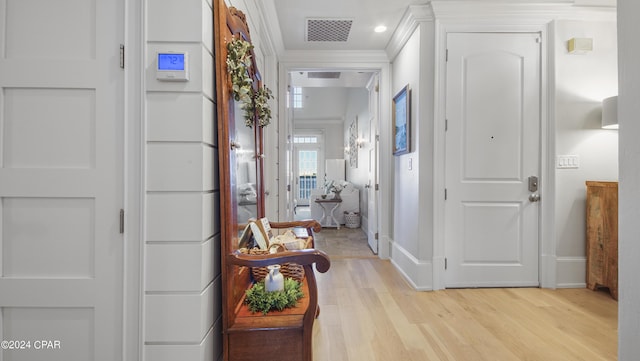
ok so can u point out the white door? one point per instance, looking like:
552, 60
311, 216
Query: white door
372, 185
307, 169
492, 148
61, 180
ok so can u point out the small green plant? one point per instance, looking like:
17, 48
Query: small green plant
259, 300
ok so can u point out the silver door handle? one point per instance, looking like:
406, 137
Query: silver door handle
534, 197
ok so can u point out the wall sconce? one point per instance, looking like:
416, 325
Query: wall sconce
346, 149
610, 113
580, 45
360, 142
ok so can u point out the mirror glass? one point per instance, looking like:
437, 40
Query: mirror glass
246, 180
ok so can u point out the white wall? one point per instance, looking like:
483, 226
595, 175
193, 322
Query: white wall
322, 104
182, 291
581, 82
358, 175
412, 248
629, 191
405, 217
332, 133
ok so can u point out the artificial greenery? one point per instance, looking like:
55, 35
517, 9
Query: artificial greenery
259, 300
259, 107
254, 103
238, 60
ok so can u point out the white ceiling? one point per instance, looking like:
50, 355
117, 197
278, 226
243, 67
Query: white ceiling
365, 14
292, 18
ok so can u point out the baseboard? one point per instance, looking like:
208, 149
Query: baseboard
384, 247
418, 273
571, 272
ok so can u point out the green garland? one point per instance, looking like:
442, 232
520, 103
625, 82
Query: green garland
259, 107
254, 104
238, 60
259, 300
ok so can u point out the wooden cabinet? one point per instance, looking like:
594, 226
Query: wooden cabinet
602, 236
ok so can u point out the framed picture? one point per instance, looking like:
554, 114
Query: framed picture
353, 144
402, 121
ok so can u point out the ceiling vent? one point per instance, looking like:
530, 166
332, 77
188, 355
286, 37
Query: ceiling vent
328, 29
323, 75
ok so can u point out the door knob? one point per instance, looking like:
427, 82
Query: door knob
534, 197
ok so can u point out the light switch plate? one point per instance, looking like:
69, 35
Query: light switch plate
567, 162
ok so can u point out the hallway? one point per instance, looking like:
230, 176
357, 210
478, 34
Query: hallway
369, 312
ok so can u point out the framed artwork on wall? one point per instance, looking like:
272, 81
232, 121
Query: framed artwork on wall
402, 121
353, 144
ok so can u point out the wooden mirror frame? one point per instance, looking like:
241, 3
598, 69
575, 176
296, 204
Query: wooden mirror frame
231, 23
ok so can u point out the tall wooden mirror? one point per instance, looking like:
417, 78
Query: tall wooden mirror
239, 137
239, 147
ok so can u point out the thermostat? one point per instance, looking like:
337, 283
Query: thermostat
173, 66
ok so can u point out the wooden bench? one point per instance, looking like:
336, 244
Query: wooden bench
278, 335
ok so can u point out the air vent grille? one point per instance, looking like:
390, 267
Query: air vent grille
323, 75
328, 29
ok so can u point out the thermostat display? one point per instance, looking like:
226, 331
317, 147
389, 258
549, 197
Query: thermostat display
172, 66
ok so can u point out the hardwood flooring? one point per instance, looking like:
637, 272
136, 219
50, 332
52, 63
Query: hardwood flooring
369, 312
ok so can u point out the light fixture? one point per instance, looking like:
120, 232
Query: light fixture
610, 113
580, 46
380, 29
360, 142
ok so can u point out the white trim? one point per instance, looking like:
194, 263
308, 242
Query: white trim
331, 58
546, 278
463, 11
365, 61
547, 219
133, 295
413, 16
415, 271
323, 121
572, 271
271, 30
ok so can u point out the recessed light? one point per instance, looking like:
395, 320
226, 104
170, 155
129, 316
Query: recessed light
380, 29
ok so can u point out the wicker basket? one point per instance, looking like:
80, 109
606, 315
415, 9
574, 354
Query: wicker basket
352, 219
288, 270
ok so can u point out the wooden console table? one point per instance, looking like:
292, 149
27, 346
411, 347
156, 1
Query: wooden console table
602, 236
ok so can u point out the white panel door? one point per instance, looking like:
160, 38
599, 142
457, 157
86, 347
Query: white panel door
61, 180
492, 147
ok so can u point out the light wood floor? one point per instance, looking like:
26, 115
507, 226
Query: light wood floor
369, 312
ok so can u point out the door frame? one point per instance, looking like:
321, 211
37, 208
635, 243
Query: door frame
133, 164
344, 61
546, 226
308, 146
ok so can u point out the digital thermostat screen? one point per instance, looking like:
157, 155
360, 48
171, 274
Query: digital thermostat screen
171, 62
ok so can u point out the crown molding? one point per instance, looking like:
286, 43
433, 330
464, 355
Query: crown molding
413, 16
270, 29
334, 56
319, 121
518, 12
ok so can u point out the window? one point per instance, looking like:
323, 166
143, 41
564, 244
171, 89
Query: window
297, 97
305, 139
